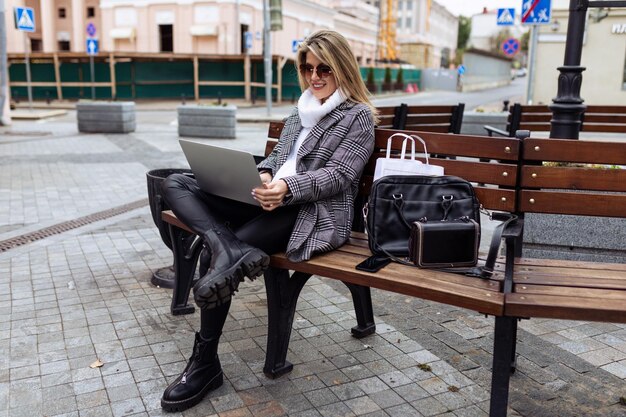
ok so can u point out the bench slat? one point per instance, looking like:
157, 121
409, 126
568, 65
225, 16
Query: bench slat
566, 308
561, 264
583, 204
566, 150
474, 171
430, 109
457, 145
574, 178
603, 128
604, 118
570, 292
431, 285
427, 128
428, 119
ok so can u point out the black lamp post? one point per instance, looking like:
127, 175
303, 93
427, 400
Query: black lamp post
568, 106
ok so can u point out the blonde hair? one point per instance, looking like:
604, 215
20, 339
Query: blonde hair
333, 49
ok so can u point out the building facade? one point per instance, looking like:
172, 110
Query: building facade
485, 30
603, 56
425, 31
189, 26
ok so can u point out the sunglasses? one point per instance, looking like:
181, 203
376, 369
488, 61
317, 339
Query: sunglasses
322, 70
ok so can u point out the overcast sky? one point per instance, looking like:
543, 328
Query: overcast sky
471, 7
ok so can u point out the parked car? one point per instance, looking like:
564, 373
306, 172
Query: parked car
521, 72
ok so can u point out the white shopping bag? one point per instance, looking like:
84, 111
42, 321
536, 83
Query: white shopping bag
403, 166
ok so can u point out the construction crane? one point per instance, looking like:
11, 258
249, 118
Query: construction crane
387, 45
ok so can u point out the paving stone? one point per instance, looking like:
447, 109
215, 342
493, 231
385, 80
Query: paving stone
362, 405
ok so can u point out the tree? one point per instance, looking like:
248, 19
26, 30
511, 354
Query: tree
496, 41
465, 28
524, 41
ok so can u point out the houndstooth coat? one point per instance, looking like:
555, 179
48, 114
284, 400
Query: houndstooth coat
328, 165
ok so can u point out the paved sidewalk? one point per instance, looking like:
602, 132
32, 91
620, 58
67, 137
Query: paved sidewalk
72, 298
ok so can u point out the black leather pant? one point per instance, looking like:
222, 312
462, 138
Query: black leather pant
266, 230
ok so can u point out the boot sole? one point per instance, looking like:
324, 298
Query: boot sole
252, 265
173, 406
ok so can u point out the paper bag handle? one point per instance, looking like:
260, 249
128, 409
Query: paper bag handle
407, 137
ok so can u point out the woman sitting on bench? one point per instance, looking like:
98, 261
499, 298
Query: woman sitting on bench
310, 181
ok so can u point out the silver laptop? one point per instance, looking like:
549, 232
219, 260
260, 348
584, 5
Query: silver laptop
221, 171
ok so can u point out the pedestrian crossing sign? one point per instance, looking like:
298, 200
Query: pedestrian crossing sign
25, 19
506, 17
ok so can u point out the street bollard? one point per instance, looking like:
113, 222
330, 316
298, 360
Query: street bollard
219, 98
506, 105
182, 99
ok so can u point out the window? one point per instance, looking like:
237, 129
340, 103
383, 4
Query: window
399, 23
36, 45
91, 12
61, 12
166, 35
409, 4
408, 23
64, 45
400, 5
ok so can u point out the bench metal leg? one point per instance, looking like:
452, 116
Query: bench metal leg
503, 351
186, 248
362, 299
282, 297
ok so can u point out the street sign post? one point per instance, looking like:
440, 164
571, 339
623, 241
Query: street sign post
506, 17
25, 22
295, 44
92, 49
91, 30
510, 46
25, 19
536, 12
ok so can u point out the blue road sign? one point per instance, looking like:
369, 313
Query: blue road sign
92, 46
510, 46
294, 45
461, 69
25, 19
536, 12
506, 17
91, 30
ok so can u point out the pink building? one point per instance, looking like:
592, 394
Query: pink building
189, 26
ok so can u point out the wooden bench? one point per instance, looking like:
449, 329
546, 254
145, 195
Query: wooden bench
442, 119
560, 289
605, 119
485, 296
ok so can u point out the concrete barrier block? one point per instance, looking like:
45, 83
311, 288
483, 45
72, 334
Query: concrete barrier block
93, 126
106, 117
221, 111
474, 122
105, 106
207, 121
575, 237
206, 132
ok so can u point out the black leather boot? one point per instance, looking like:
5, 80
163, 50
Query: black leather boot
202, 374
231, 260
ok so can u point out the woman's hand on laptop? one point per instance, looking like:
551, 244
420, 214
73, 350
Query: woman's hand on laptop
271, 195
266, 177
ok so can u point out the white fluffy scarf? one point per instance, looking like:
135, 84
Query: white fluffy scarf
311, 110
